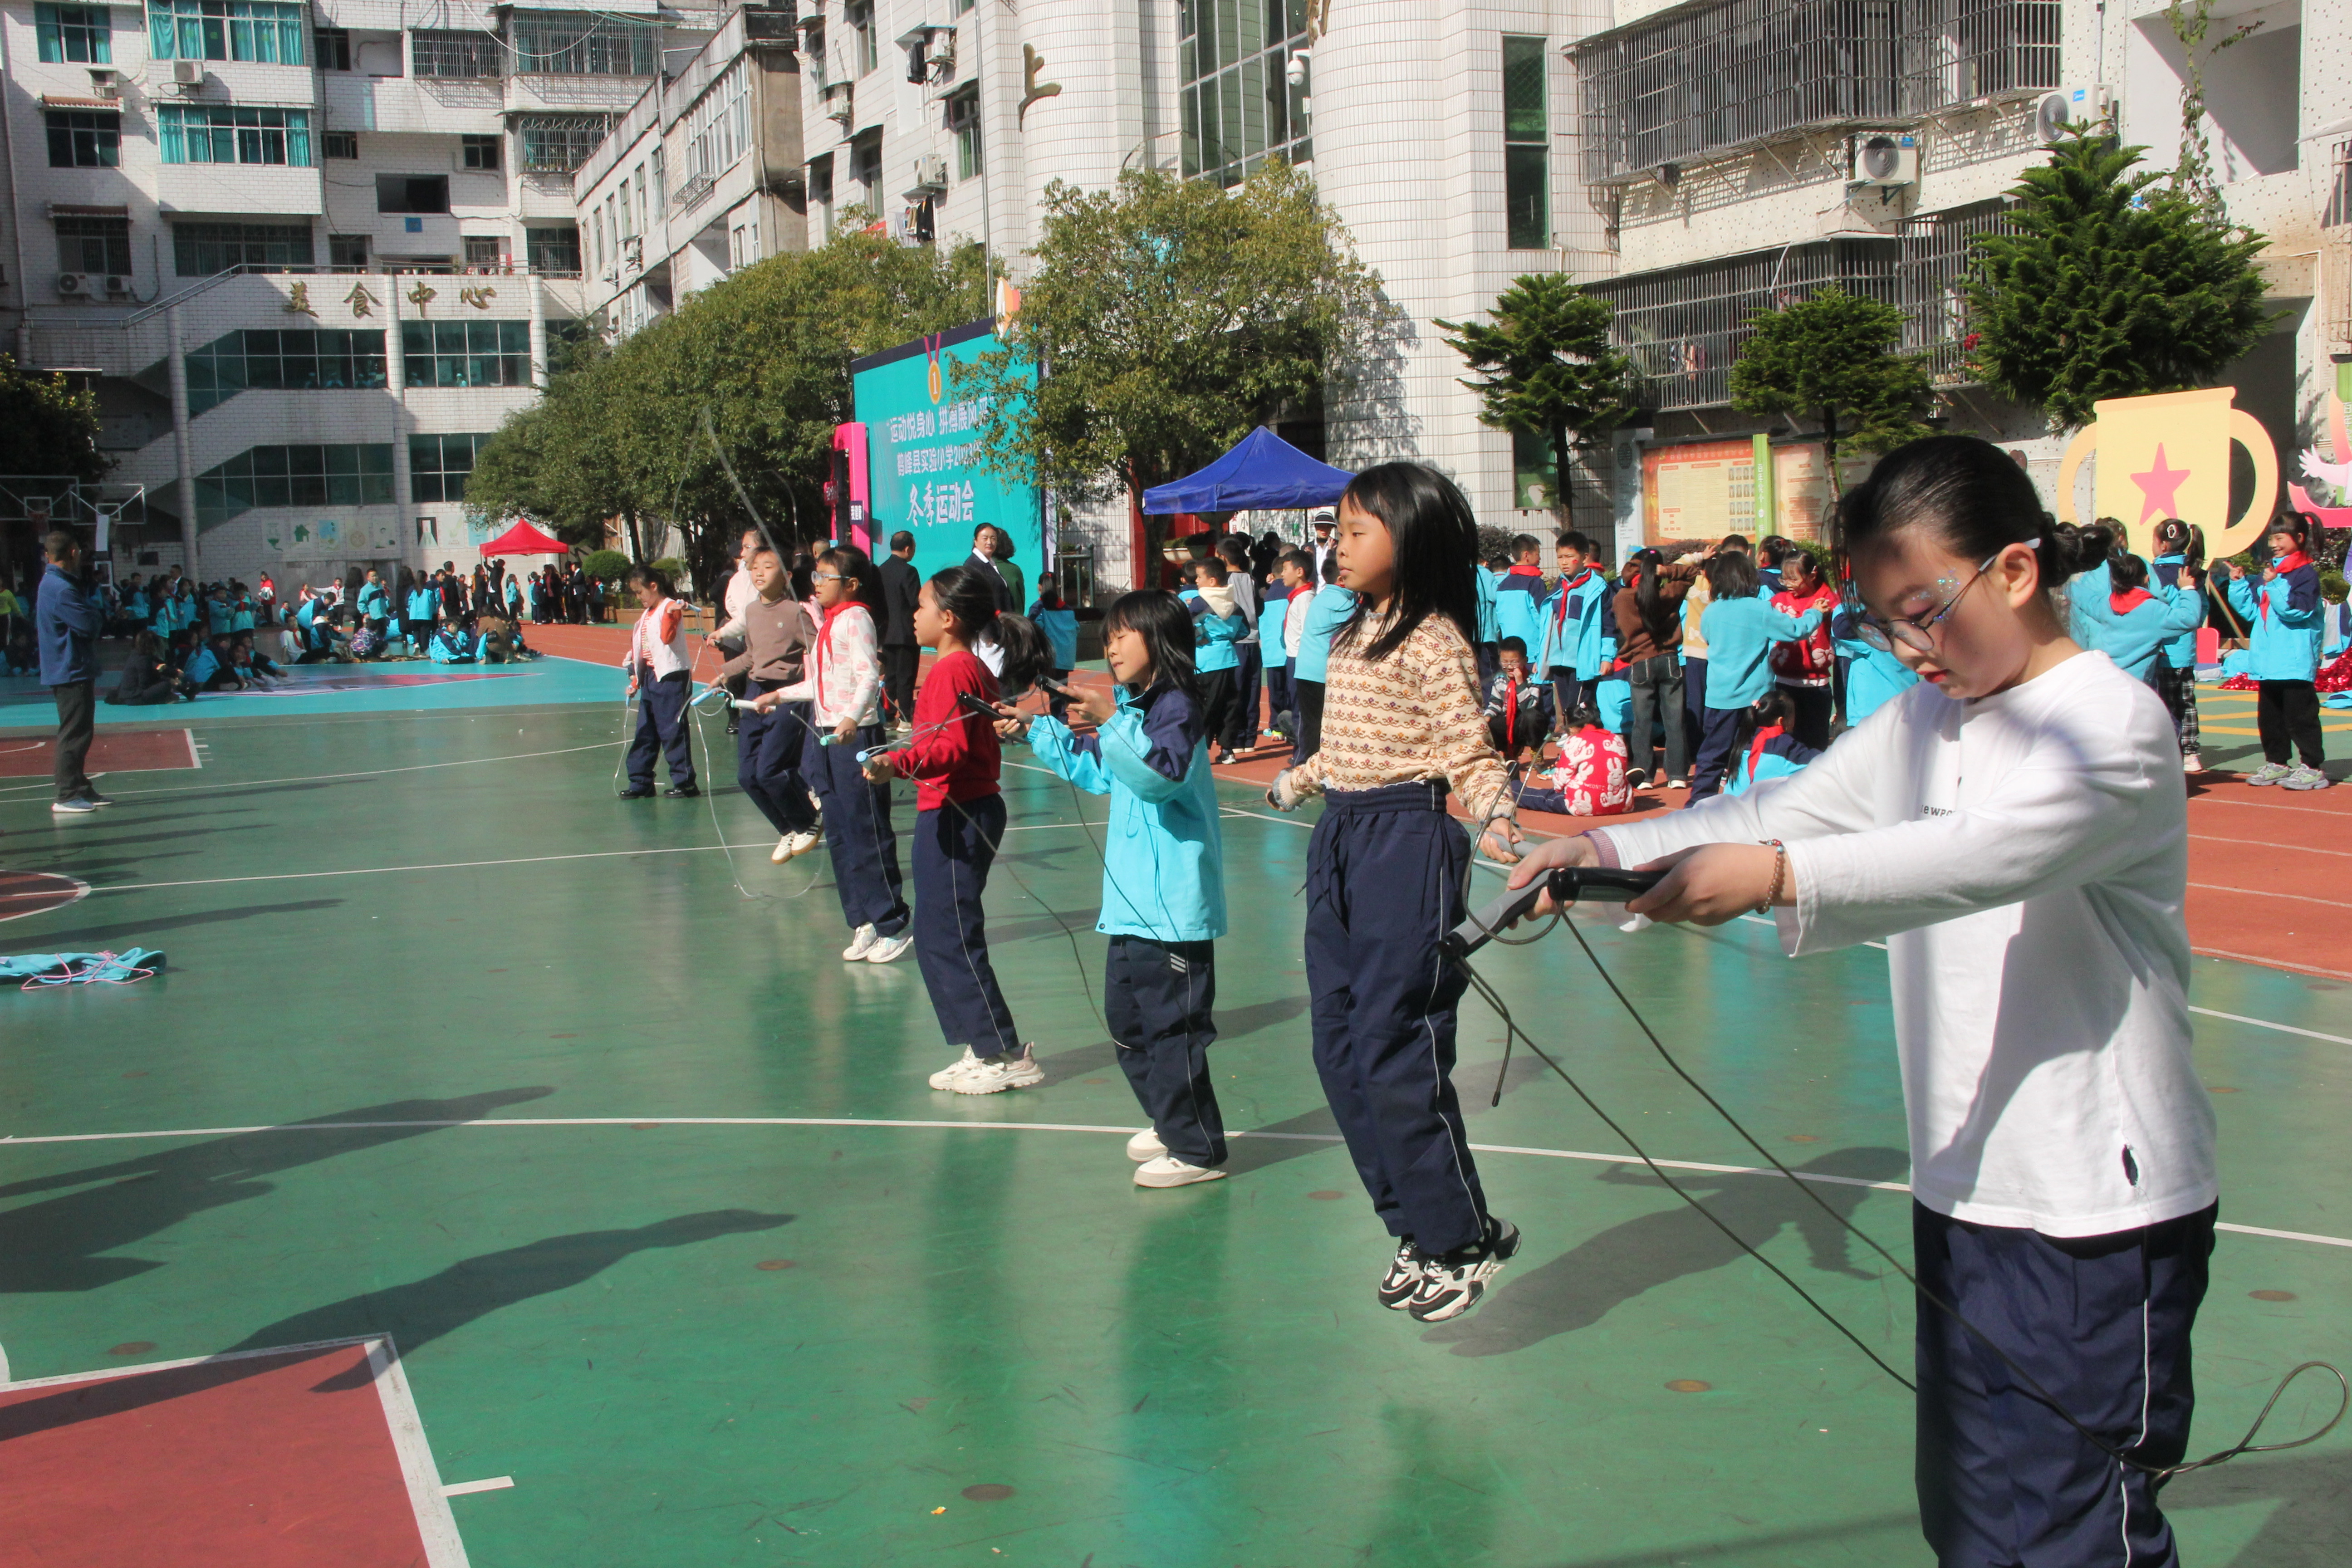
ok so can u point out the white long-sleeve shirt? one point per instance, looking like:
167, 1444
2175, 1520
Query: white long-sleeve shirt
2025, 858
844, 671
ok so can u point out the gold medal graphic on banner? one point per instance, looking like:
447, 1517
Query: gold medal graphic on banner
2168, 455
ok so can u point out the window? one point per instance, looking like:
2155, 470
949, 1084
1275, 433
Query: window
1527, 144
597, 220
334, 48
483, 252
467, 353
963, 118
84, 139
719, 127
559, 143
742, 245
584, 43
347, 252
627, 223
820, 192
465, 55
258, 30
232, 134
201, 249
480, 152
1239, 108
94, 245
294, 475
861, 28
296, 360
81, 33
661, 186
865, 165
555, 249
412, 193
438, 464
338, 144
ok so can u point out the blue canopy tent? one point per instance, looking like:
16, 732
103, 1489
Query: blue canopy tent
1264, 471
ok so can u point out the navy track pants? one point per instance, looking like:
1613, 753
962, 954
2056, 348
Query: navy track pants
1384, 881
768, 760
857, 832
954, 846
661, 727
1156, 998
2101, 1323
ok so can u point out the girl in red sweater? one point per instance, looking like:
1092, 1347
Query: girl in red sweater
953, 757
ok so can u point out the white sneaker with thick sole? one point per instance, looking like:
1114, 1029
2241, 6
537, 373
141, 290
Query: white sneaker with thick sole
947, 1074
1145, 1145
1169, 1171
886, 948
1402, 1279
861, 942
2190, 762
2268, 774
994, 1074
2305, 777
1453, 1282
792, 845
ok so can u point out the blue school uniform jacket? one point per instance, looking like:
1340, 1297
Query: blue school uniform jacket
2134, 636
1164, 874
202, 666
1739, 638
1779, 755
1061, 629
1519, 610
2284, 617
1489, 625
1325, 614
1274, 652
1213, 636
218, 617
1572, 628
1874, 675
2181, 651
375, 602
451, 645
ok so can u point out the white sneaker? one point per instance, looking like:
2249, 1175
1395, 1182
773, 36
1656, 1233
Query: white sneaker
1145, 1145
861, 942
793, 844
886, 948
1169, 1171
947, 1076
994, 1074
2190, 762
2268, 774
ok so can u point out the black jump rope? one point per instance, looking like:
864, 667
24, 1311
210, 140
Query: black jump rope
1593, 884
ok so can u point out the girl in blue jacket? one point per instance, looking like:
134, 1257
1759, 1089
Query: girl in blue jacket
2283, 612
1163, 898
1740, 631
1218, 627
2142, 618
2180, 548
1060, 624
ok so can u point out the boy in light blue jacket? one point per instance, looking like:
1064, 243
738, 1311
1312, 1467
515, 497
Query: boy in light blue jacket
1163, 898
2283, 611
1574, 625
1326, 609
1218, 627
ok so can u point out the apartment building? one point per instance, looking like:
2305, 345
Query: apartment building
309, 255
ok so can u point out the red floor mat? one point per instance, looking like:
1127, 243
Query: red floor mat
114, 752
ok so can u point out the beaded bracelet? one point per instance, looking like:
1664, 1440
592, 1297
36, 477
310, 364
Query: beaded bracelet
1780, 875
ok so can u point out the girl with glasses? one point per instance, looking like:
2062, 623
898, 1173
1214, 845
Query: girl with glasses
2015, 831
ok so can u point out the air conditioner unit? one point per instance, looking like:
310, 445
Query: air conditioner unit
632, 251
837, 106
116, 284
1887, 161
2068, 105
943, 52
74, 284
106, 83
930, 174
188, 73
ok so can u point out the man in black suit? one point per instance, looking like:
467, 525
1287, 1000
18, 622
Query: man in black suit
900, 586
983, 559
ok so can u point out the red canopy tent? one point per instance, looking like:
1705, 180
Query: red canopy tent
522, 539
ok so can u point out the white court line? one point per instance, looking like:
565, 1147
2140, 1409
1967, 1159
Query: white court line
365, 773
468, 1489
659, 1121
2266, 893
2272, 843
2266, 1023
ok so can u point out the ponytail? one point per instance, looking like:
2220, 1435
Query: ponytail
1974, 497
967, 598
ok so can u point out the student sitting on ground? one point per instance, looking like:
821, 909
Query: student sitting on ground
259, 670
1769, 748
455, 642
1518, 706
1587, 776
147, 678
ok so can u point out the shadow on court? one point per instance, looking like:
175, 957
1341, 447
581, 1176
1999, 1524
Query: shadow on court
142, 931
1581, 1286
60, 1244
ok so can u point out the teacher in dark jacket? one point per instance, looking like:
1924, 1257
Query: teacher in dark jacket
66, 620
901, 584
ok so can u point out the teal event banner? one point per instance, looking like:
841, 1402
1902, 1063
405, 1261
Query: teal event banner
924, 469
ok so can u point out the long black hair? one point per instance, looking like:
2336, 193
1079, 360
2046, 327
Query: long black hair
2186, 540
1657, 612
1731, 574
1435, 536
2125, 571
1974, 498
1159, 618
967, 598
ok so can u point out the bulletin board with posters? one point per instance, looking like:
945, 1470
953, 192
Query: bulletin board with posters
1701, 490
1800, 489
924, 469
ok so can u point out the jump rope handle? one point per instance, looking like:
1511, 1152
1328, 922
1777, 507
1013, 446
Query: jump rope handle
1571, 884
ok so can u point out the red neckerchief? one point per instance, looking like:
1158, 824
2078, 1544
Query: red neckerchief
2125, 604
2293, 561
1559, 615
1520, 569
1756, 748
1511, 714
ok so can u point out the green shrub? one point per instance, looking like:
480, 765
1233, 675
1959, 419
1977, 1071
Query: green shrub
605, 565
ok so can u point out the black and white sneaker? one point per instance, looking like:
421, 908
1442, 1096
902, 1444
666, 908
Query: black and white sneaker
1403, 1277
1452, 1282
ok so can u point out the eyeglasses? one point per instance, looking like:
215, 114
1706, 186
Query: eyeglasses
826, 577
1914, 632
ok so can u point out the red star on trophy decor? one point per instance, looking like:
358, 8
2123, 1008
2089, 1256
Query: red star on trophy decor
2161, 486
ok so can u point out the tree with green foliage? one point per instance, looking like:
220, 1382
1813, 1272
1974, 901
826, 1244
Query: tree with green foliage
1169, 317
47, 428
1546, 368
761, 362
2115, 285
605, 565
1832, 358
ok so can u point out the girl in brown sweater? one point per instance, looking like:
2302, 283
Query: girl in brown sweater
1648, 611
1385, 876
